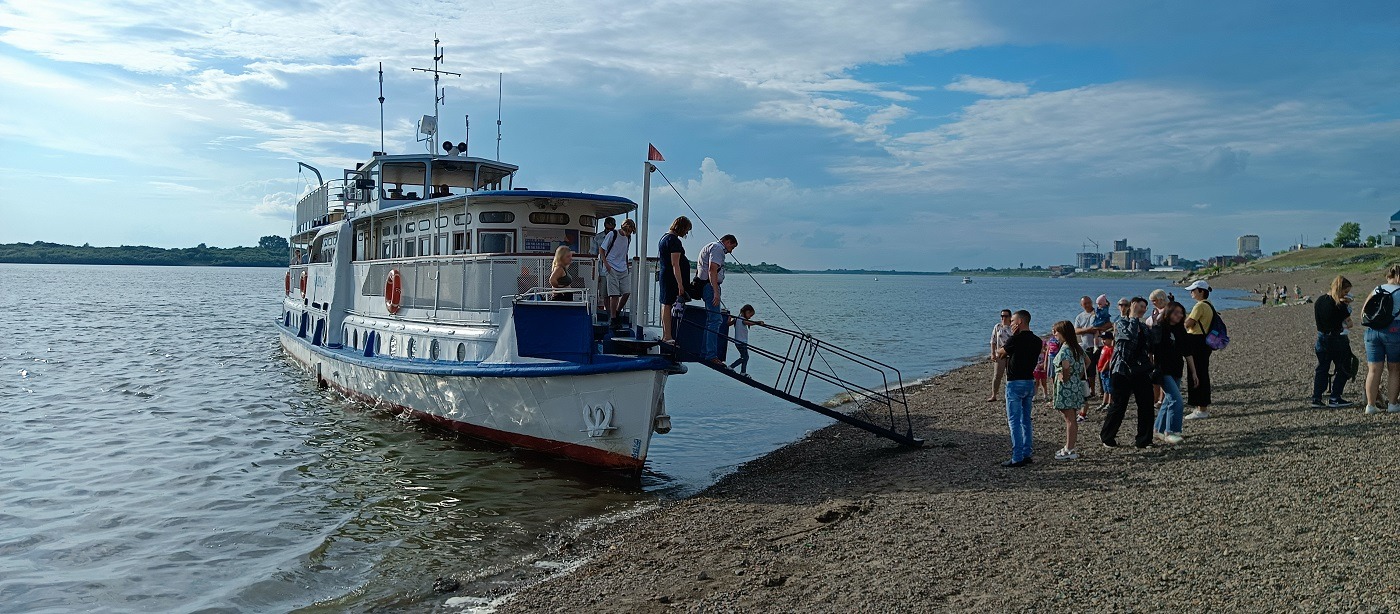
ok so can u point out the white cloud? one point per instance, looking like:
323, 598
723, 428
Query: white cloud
988, 87
280, 205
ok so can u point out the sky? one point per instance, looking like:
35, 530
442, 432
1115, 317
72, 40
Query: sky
919, 135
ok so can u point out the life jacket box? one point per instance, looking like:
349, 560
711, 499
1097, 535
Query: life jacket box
689, 332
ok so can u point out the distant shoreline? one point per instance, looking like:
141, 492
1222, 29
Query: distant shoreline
41, 252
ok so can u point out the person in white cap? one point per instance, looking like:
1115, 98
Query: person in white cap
1383, 347
1197, 325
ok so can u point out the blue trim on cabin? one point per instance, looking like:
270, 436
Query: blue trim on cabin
551, 194
602, 363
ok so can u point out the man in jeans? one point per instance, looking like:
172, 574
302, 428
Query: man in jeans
613, 254
1022, 351
712, 273
1130, 374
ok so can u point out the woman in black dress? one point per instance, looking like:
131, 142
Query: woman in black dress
675, 271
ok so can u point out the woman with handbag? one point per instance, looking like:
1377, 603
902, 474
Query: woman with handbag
675, 272
1332, 313
1169, 350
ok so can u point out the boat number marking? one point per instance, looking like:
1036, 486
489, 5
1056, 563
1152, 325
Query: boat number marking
636, 448
597, 420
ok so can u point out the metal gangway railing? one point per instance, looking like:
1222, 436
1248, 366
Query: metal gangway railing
879, 405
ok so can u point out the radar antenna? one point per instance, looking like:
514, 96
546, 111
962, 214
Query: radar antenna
500, 85
381, 107
439, 94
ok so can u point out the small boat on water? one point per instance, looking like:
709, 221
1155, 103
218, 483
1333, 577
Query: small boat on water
967, 280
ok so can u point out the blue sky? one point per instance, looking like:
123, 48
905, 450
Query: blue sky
917, 136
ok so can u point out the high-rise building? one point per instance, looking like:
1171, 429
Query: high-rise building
1249, 246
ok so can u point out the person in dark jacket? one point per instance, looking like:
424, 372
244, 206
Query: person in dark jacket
1131, 374
1022, 352
1332, 312
1171, 354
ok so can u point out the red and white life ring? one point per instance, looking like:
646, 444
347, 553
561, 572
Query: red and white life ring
303, 283
288, 283
393, 291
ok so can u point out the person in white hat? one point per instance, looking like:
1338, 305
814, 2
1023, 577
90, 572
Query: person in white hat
1197, 325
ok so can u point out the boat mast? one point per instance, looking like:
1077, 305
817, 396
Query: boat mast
439, 93
643, 275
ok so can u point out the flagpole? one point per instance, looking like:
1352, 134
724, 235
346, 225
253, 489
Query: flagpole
643, 302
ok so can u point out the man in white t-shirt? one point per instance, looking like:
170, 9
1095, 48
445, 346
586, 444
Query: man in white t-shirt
711, 272
1088, 339
613, 255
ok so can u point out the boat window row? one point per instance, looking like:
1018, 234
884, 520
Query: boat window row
372, 344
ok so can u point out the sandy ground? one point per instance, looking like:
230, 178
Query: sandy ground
1268, 506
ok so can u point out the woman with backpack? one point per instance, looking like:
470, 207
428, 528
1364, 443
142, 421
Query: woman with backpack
1198, 324
1332, 312
1383, 342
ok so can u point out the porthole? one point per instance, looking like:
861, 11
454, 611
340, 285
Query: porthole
496, 217
587, 221
461, 352
433, 350
408, 227
394, 346
548, 217
461, 219
424, 225
345, 334
364, 338
412, 347
442, 222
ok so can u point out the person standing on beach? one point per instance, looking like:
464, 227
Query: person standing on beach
711, 272
1069, 384
674, 269
1000, 334
1169, 350
1131, 372
1332, 312
1088, 331
1021, 352
1105, 382
1383, 350
1197, 325
1044, 365
1159, 301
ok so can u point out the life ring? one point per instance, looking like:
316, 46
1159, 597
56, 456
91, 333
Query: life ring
288, 283
303, 282
393, 291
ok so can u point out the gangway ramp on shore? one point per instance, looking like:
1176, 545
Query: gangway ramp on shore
881, 409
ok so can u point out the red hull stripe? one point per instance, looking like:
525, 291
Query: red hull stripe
585, 454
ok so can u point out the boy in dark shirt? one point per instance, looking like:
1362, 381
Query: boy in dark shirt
1023, 351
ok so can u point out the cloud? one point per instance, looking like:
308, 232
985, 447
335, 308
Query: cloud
279, 205
1223, 161
988, 87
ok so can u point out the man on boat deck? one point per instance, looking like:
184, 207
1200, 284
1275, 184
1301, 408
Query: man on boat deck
614, 258
712, 273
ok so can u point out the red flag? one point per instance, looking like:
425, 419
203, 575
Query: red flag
654, 154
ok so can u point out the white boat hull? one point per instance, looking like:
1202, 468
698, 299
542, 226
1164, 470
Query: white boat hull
603, 419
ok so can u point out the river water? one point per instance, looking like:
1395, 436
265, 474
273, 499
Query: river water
159, 454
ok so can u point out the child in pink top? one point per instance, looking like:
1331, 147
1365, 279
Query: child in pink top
1042, 368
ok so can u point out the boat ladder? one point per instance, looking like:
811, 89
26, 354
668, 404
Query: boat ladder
880, 408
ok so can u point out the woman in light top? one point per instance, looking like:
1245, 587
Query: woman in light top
1197, 325
1069, 384
1383, 351
559, 275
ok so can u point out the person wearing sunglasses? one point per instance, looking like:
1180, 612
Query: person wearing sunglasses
1000, 334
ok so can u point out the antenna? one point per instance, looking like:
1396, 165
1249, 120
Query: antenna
500, 95
439, 94
466, 134
381, 106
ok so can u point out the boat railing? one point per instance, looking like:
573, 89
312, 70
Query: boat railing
450, 287
815, 374
546, 294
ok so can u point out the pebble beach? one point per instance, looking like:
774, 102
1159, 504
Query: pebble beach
1268, 505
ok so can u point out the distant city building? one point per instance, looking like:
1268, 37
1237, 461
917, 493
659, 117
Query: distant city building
1223, 261
1393, 237
1120, 245
1125, 257
1087, 261
1172, 260
1249, 246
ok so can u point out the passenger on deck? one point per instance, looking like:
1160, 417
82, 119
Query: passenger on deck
559, 275
675, 270
441, 190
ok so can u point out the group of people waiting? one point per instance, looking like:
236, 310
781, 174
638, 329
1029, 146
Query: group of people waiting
1144, 354
1332, 313
678, 287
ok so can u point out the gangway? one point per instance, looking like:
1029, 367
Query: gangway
882, 410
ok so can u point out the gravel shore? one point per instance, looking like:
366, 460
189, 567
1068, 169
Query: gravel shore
1267, 506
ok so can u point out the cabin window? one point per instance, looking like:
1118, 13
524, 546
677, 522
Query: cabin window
345, 334
495, 241
459, 242
424, 225
441, 246
425, 246
386, 250
461, 219
587, 221
408, 227
412, 347
433, 350
408, 245
442, 222
403, 180
461, 352
548, 217
496, 217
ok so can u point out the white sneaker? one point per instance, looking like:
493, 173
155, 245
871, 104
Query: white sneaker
1393, 408
1372, 410
1197, 415
1066, 454
1172, 438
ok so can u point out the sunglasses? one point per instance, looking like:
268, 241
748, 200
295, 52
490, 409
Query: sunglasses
1005, 315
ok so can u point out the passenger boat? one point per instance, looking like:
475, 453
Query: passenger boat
418, 282
967, 280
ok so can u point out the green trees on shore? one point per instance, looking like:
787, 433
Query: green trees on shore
269, 253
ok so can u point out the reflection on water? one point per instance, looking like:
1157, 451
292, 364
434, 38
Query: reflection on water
159, 454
